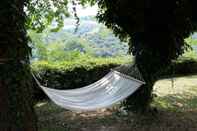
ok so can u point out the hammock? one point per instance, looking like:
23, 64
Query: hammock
112, 88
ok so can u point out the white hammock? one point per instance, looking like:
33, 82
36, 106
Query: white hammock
112, 88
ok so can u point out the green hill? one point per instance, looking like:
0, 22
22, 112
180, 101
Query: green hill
91, 38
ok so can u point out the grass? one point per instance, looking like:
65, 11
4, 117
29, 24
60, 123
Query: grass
177, 105
178, 96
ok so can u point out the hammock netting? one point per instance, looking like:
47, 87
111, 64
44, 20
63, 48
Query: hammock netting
112, 88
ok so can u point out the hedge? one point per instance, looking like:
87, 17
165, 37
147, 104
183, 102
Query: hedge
181, 67
76, 74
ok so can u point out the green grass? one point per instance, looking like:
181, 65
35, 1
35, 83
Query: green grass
178, 96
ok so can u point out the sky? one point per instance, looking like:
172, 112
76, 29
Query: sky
88, 11
81, 12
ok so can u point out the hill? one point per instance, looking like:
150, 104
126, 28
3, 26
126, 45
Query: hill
91, 38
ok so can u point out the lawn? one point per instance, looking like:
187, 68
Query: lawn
176, 102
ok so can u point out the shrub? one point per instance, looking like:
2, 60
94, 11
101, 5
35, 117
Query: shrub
181, 67
76, 74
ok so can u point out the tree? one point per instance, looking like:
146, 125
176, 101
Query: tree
156, 31
16, 105
42, 13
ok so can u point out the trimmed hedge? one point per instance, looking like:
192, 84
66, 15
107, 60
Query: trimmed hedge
181, 67
75, 74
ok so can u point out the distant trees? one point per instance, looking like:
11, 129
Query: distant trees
58, 49
97, 41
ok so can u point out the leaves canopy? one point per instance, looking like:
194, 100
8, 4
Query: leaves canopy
173, 20
41, 13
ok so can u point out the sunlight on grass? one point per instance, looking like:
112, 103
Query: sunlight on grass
181, 97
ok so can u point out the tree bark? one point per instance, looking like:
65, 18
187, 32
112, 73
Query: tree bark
16, 105
151, 63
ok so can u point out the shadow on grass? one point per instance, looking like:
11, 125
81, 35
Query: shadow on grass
176, 112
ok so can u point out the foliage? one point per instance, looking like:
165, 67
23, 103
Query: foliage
86, 62
157, 26
192, 52
155, 30
105, 42
191, 41
41, 13
184, 66
47, 47
91, 39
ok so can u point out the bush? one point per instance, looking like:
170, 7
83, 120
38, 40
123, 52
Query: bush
185, 66
181, 67
75, 74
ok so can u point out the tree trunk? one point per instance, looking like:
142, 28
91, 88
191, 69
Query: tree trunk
151, 63
16, 105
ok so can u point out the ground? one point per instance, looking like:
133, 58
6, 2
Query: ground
176, 102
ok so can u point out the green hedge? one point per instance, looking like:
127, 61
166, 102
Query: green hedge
75, 74
181, 67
